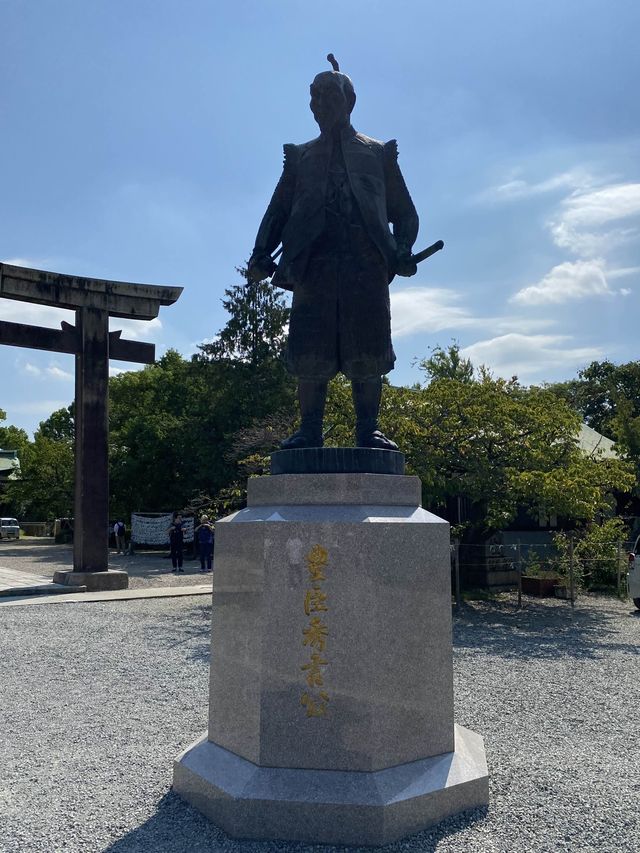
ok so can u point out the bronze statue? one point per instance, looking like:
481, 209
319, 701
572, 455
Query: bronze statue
331, 210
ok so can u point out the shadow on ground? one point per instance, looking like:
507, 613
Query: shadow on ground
192, 631
41, 550
178, 828
540, 629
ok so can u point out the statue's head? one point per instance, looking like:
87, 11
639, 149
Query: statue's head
332, 98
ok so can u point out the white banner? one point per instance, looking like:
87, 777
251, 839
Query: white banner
153, 529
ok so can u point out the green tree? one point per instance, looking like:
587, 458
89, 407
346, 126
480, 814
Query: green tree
44, 490
256, 330
494, 442
597, 555
447, 364
598, 391
60, 425
180, 430
11, 437
163, 436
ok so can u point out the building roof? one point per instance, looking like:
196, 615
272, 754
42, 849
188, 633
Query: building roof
593, 443
9, 464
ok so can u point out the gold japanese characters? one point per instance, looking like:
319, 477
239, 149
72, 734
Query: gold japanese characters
316, 699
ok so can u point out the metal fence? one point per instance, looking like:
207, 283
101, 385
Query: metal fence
517, 557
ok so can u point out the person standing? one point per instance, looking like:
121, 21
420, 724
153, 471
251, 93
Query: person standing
119, 531
205, 534
176, 541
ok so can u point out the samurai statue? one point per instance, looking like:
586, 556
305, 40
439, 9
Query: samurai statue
331, 211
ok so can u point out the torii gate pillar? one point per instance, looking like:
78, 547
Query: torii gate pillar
94, 301
91, 502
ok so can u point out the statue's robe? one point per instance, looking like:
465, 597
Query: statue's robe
331, 210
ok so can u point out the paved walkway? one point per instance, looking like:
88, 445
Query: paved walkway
17, 599
14, 582
33, 560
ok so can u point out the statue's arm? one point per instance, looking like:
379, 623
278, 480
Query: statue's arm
401, 212
270, 230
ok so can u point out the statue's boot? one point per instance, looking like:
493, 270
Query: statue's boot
311, 397
366, 400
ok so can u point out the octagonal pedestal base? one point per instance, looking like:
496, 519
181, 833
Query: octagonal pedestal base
332, 806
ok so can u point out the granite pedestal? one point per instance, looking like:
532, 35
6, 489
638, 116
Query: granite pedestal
93, 581
331, 695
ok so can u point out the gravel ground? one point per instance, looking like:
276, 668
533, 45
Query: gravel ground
147, 569
89, 736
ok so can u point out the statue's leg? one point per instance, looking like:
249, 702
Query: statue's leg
312, 395
366, 401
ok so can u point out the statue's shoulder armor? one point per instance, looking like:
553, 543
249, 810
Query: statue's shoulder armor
370, 142
391, 151
293, 152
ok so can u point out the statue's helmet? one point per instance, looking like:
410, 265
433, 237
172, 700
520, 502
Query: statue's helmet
332, 94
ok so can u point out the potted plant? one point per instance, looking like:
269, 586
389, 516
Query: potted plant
538, 579
542, 584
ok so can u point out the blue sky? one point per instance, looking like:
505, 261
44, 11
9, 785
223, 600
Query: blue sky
141, 141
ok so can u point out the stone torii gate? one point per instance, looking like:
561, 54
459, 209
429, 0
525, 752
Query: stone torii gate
94, 301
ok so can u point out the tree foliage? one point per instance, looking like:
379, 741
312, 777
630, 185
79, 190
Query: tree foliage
44, 489
187, 432
607, 397
174, 426
598, 392
593, 557
255, 331
447, 364
493, 442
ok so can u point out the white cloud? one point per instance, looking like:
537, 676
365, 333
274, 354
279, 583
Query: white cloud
529, 356
517, 188
52, 371
34, 315
133, 329
55, 372
37, 407
426, 309
621, 272
573, 280
516, 323
580, 225
416, 310
565, 282
32, 263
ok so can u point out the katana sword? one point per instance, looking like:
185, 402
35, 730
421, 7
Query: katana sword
426, 253
421, 256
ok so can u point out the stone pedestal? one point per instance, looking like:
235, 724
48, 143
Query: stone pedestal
331, 699
93, 581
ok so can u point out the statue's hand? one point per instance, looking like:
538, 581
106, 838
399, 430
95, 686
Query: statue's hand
405, 265
260, 266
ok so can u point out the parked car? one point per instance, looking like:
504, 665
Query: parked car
633, 575
9, 528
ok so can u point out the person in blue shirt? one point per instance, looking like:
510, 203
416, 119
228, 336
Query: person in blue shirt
205, 533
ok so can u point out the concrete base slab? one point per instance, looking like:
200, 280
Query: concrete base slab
332, 806
93, 581
105, 595
14, 583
